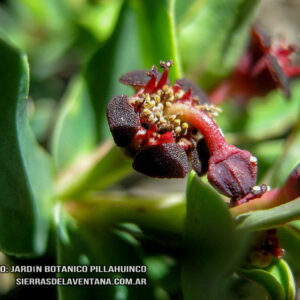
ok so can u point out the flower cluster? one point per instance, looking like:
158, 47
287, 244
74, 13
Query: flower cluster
170, 129
265, 66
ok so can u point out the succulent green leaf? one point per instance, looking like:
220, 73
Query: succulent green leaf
268, 218
264, 118
212, 43
288, 160
289, 237
277, 279
134, 45
157, 16
186, 11
121, 53
26, 170
40, 115
74, 133
158, 214
99, 170
82, 245
209, 240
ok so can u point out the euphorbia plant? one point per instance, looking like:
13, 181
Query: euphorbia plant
167, 129
204, 244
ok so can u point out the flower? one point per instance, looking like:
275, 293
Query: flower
170, 129
263, 68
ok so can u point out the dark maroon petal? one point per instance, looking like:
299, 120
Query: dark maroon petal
292, 185
260, 40
234, 176
186, 84
280, 79
122, 119
163, 161
199, 157
137, 79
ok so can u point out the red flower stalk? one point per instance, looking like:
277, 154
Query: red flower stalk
262, 68
166, 128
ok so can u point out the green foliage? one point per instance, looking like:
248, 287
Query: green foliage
134, 44
290, 240
120, 54
103, 168
264, 219
77, 52
81, 245
277, 280
27, 171
264, 118
288, 159
209, 240
211, 43
74, 133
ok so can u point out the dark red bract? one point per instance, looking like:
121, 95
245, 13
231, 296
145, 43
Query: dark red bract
170, 129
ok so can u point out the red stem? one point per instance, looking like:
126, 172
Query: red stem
213, 135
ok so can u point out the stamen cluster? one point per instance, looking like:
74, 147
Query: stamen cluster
152, 103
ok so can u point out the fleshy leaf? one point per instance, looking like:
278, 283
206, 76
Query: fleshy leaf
186, 10
105, 166
264, 118
40, 117
74, 133
156, 16
277, 279
209, 237
268, 218
82, 245
163, 213
26, 170
214, 40
121, 53
289, 238
288, 160
134, 45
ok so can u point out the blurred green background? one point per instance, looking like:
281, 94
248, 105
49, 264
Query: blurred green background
77, 50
